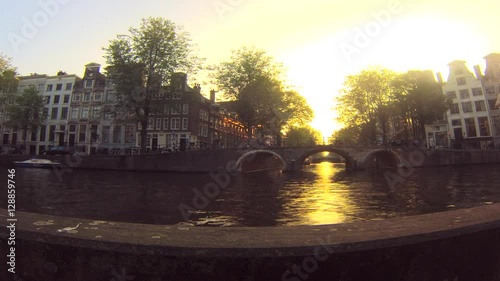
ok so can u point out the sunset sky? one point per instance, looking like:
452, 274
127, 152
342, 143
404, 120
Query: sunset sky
318, 41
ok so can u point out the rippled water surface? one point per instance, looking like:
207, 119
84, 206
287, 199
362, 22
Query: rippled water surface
323, 193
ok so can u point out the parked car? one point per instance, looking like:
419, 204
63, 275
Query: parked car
58, 150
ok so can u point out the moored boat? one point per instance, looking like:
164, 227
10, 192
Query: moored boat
37, 163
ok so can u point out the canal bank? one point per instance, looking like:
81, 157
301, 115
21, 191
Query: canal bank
454, 245
230, 160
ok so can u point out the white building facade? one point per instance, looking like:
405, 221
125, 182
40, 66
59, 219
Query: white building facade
491, 85
469, 122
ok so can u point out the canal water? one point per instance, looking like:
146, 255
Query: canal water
323, 193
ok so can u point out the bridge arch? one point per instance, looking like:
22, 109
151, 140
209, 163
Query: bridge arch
349, 160
250, 155
388, 158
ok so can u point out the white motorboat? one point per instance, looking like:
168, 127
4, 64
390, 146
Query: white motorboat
37, 163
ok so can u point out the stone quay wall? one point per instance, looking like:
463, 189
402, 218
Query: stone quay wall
454, 245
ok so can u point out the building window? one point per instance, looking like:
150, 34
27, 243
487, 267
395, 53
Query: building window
40, 87
76, 97
175, 123
96, 112
72, 128
107, 113
205, 130
490, 90
464, 94
66, 99
56, 99
176, 109
491, 104
105, 134
117, 134
467, 107
454, 109
184, 123
480, 105
64, 113
98, 96
85, 112
185, 108
477, 91
110, 96
451, 95
74, 113
52, 132
129, 134
45, 113
151, 124
69, 86
47, 99
43, 132
53, 114
496, 125
58, 87
470, 126
49, 88
456, 122
211, 122
158, 123
461, 81
83, 133
484, 126
93, 133
89, 83
176, 96
165, 123
86, 97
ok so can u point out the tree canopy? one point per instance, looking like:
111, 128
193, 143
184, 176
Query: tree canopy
26, 111
377, 100
303, 136
8, 75
255, 82
142, 62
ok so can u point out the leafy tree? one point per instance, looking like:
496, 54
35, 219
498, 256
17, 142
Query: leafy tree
8, 79
253, 80
346, 136
302, 136
376, 99
142, 63
366, 100
26, 111
418, 101
292, 111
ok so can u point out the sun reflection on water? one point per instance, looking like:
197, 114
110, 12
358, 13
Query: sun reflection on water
322, 200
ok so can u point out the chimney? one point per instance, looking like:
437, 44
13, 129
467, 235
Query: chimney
212, 96
439, 77
477, 70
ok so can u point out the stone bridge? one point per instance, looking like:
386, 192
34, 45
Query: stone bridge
293, 158
247, 159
